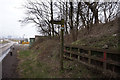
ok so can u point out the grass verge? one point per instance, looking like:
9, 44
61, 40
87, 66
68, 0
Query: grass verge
30, 67
3, 42
43, 62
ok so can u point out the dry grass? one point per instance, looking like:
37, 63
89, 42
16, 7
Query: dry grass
45, 54
49, 54
99, 35
100, 30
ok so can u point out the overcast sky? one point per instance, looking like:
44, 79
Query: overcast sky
10, 13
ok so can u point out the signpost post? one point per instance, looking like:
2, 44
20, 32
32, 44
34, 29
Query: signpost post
61, 40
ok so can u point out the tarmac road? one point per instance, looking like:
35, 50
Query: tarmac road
9, 64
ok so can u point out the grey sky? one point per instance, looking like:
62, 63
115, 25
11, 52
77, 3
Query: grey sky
10, 13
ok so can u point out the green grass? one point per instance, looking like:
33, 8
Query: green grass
14, 40
3, 42
78, 70
99, 42
30, 67
24, 54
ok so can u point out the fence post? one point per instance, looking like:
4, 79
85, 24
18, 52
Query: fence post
70, 51
89, 56
78, 55
104, 61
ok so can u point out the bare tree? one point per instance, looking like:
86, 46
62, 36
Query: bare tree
51, 6
76, 15
71, 22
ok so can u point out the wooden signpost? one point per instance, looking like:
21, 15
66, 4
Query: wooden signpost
61, 22
62, 42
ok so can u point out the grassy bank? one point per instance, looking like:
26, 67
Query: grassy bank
30, 67
44, 62
98, 42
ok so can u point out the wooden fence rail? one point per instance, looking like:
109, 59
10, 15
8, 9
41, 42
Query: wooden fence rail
107, 61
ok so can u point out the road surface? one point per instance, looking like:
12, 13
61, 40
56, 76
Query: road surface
9, 64
4, 50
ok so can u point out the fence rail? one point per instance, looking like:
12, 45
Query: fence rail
107, 61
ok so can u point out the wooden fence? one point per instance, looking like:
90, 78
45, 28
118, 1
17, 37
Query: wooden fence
107, 61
